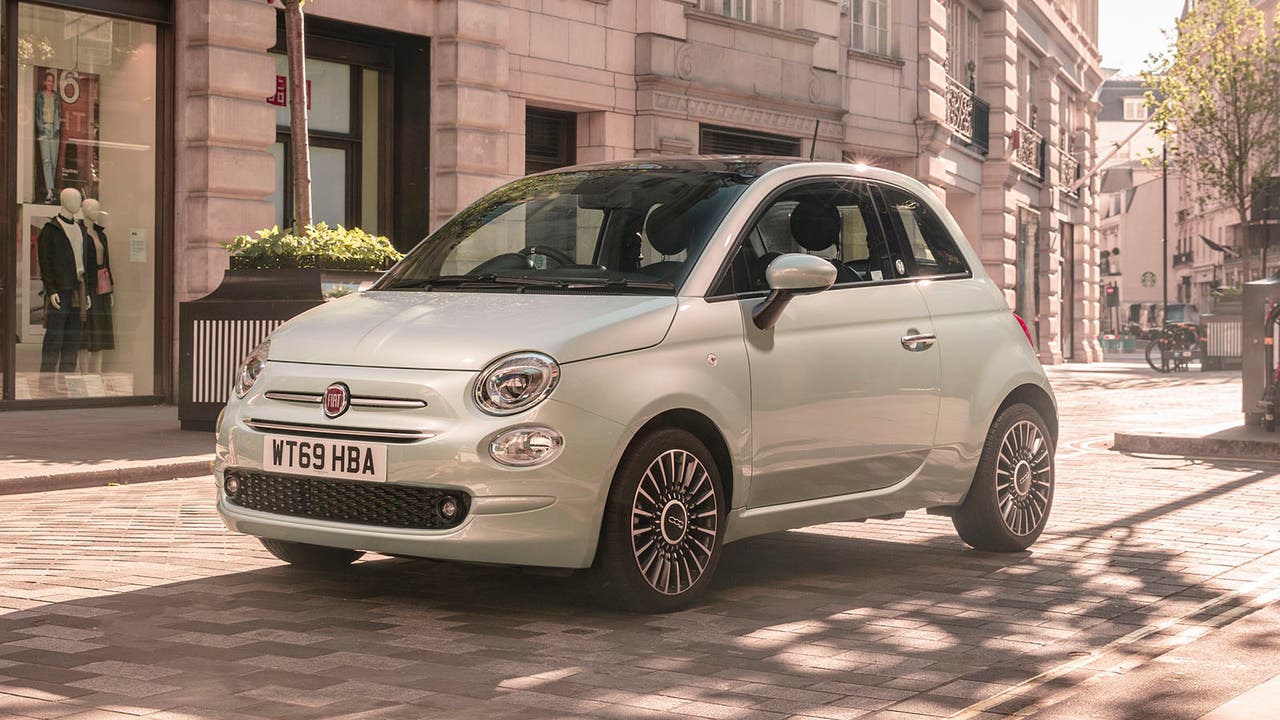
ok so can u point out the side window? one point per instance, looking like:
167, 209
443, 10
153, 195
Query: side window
832, 219
922, 233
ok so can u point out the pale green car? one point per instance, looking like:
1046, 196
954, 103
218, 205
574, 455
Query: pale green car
623, 367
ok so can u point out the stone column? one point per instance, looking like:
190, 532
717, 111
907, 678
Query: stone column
999, 59
470, 109
1051, 212
1088, 269
932, 128
224, 126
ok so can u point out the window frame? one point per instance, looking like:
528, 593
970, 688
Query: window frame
858, 31
903, 245
1141, 104
713, 294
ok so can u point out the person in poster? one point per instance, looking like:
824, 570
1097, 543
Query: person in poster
48, 118
66, 120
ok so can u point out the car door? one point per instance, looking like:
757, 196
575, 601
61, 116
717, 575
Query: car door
845, 386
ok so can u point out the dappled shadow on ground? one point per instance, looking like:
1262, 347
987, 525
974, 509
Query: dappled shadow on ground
818, 621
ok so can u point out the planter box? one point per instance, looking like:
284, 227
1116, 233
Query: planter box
216, 332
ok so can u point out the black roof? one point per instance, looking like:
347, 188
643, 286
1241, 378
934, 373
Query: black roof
747, 165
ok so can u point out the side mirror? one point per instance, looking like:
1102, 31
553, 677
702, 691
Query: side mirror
790, 275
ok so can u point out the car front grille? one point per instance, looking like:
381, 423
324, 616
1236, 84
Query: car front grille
361, 503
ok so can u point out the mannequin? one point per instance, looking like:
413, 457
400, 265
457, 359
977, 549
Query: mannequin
99, 334
64, 254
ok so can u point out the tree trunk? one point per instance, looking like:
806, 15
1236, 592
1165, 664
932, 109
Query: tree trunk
295, 42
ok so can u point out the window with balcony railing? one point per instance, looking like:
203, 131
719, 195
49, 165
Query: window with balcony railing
964, 30
760, 12
869, 26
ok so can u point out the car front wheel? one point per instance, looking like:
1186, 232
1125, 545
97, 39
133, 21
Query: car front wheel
1012, 492
663, 525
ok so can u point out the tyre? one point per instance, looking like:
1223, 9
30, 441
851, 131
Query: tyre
1157, 357
663, 527
1012, 491
310, 557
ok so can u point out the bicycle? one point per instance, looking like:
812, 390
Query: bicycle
1173, 348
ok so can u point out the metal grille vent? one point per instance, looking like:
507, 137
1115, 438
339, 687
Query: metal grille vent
381, 504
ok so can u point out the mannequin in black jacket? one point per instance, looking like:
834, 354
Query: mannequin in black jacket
68, 290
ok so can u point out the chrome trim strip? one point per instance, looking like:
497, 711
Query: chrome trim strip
359, 401
356, 400
335, 431
298, 397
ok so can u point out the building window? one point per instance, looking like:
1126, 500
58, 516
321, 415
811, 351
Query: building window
549, 139
870, 26
343, 124
1135, 108
728, 141
762, 12
1028, 72
964, 30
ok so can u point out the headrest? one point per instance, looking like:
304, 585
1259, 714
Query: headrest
815, 225
669, 230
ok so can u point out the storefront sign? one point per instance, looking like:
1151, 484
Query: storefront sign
281, 98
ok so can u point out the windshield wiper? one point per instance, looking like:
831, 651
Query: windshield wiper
483, 280
619, 283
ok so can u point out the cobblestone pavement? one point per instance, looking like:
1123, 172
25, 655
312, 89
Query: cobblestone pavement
133, 600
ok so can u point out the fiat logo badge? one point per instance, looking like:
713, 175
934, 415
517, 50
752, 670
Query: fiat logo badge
337, 398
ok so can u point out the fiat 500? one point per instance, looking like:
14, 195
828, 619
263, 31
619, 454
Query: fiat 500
623, 367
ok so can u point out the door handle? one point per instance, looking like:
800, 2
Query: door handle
916, 341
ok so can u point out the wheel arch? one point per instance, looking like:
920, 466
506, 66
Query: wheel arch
1035, 396
701, 427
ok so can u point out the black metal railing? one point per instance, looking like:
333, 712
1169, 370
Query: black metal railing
968, 116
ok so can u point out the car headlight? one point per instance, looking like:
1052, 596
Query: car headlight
251, 368
516, 383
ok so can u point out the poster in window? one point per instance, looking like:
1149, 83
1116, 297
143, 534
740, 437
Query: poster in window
66, 132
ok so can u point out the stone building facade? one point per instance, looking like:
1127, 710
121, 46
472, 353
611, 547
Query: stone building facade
420, 106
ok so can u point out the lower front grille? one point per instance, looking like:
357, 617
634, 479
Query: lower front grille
361, 503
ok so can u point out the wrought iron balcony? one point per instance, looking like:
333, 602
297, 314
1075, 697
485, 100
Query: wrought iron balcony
1069, 172
1029, 149
968, 116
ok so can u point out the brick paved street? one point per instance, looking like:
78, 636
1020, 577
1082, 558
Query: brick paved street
133, 600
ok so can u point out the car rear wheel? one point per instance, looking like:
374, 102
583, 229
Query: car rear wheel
310, 557
1012, 492
663, 525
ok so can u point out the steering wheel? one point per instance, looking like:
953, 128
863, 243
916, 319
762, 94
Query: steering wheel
559, 256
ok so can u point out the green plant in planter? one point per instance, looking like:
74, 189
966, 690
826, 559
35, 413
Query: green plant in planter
1228, 293
317, 246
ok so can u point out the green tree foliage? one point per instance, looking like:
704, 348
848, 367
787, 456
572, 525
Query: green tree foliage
317, 246
1215, 94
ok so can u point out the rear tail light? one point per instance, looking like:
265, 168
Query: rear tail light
1025, 330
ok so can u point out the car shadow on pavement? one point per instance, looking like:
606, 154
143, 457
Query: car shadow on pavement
825, 621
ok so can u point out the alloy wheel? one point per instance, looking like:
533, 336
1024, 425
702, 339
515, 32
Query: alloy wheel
1023, 476
674, 517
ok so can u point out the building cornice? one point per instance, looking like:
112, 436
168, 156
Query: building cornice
654, 96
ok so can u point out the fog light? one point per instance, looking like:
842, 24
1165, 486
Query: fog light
527, 446
448, 508
232, 485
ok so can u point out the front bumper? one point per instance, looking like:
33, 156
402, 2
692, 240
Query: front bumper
543, 516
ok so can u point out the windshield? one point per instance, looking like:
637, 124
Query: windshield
636, 229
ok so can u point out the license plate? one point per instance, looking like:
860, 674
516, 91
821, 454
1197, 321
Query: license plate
343, 459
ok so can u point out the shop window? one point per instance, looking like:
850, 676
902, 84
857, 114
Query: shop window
728, 141
550, 140
84, 320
